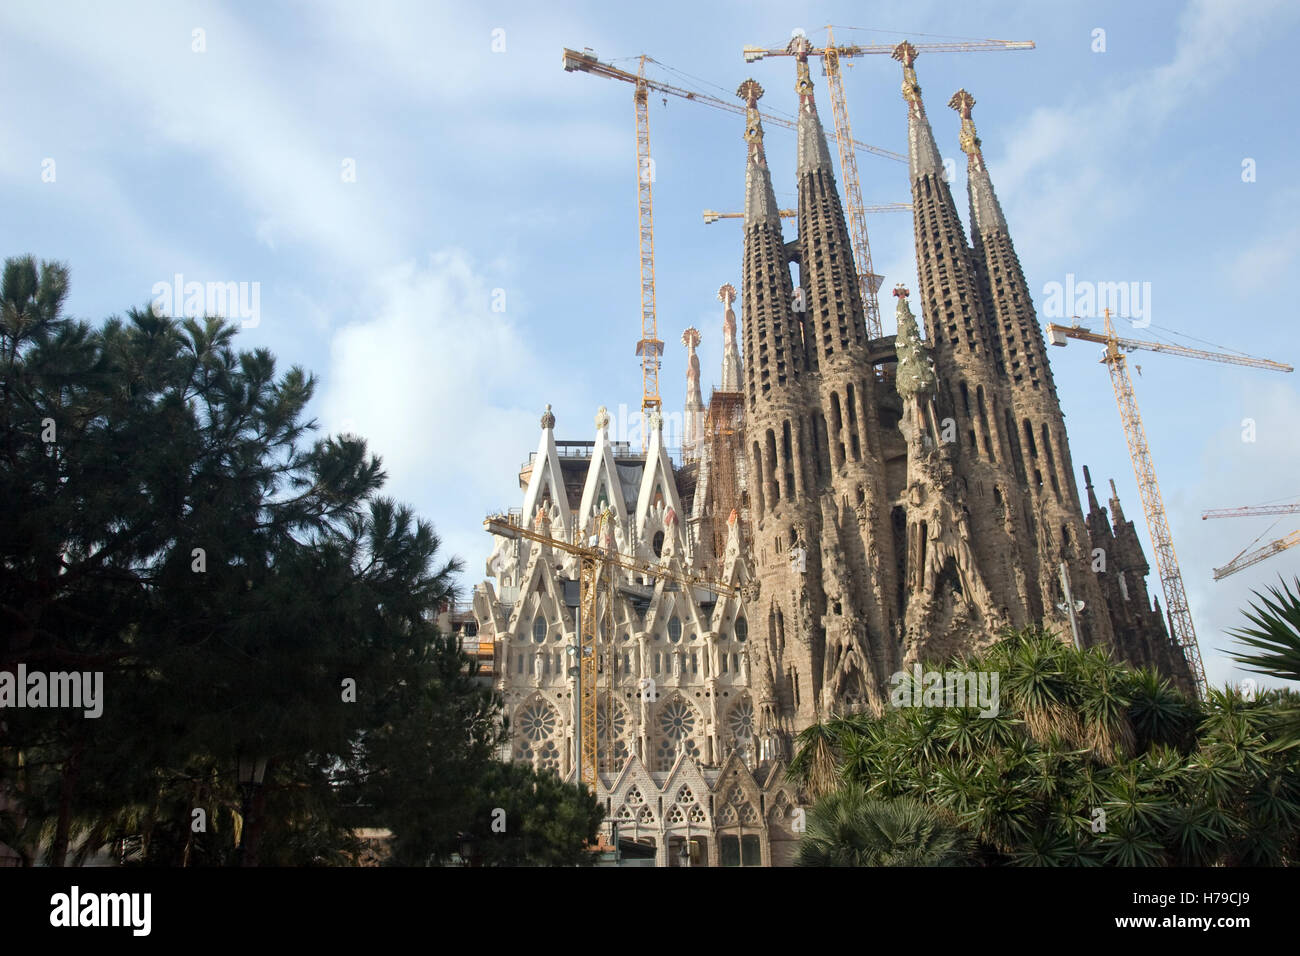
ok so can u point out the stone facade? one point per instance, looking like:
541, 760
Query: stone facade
872, 502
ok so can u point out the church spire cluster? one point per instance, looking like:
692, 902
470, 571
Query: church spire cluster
870, 503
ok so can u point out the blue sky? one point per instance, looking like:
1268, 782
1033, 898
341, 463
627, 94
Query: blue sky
479, 170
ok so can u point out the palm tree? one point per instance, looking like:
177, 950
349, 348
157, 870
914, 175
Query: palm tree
848, 828
1087, 762
1277, 634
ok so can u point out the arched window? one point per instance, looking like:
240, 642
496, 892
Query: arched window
539, 629
675, 629
658, 543
742, 629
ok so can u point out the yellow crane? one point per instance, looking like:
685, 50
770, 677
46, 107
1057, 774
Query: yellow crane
832, 54
596, 561
711, 215
650, 347
1153, 506
1245, 559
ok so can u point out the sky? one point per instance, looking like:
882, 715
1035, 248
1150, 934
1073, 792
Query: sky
441, 223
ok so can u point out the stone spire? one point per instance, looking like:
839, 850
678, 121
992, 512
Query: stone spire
1015, 332
986, 213
760, 199
693, 430
833, 321
772, 339
812, 150
922, 153
1116, 511
1004, 534
730, 348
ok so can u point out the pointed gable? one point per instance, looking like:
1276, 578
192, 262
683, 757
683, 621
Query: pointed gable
658, 505
603, 488
546, 485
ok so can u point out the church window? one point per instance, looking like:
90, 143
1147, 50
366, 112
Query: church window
539, 629
742, 629
675, 629
658, 543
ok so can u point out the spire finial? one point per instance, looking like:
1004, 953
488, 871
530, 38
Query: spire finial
970, 143
691, 339
751, 92
906, 54
800, 48
727, 294
602, 418
548, 420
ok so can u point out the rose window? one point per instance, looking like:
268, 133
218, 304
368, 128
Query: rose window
537, 721
741, 720
677, 719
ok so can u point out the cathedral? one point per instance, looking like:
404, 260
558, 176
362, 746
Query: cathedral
863, 504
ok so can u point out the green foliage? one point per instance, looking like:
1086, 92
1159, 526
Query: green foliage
525, 817
1276, 633
847, 828
171, 520
1088, 762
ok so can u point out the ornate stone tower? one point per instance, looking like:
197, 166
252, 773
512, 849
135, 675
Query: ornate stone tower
1035, 427
948, 606
779, 434
966, 361
859, 619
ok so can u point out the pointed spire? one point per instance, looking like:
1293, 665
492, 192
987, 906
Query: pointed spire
922, 153
760, 199
915, 373
812, 151
1117, 513
730, 349
1093, 505
693, 432
986, 212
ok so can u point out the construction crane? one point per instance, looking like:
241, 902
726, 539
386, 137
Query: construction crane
1245, 559
596, 562
711, 215
868, 281
1253, 511
1153, 506
650, 347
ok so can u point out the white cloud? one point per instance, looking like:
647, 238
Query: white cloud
1072, 173
434, 382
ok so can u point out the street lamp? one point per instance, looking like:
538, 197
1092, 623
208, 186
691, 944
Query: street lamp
251, 771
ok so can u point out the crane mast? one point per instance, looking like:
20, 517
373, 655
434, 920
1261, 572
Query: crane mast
1153, 505
651, 347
